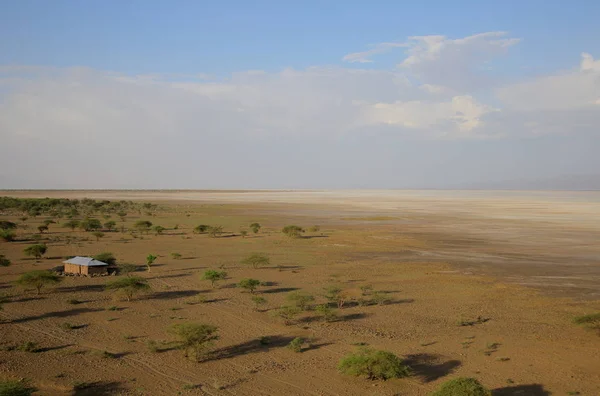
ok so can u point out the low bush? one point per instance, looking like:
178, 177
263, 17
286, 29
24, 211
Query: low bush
15, 388
296, 344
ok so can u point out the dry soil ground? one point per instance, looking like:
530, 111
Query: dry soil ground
440, 259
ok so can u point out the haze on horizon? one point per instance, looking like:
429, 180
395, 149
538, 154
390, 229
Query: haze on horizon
274, 95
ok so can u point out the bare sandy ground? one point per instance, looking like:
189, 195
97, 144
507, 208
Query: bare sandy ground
547, 240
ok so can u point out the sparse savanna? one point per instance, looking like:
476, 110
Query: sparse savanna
370, 301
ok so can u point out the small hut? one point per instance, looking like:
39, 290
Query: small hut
85, 266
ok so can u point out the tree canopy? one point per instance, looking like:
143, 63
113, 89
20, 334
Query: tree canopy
38, 279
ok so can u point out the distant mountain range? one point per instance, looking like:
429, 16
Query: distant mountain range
568, 182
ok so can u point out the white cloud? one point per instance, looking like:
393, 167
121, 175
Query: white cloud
363, 57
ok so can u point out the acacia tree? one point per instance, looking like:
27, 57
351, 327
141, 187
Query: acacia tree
293, 231
89, 224
249, 284
336, 295
122, 215
374, 364
38, 279
110, 225
256, 260
37, 250
98, 235
215, 231
150, 260
194, 338
42, 228
214, 276
158, 230
300, 299
72, 224
4, 262
199, 229
129, 286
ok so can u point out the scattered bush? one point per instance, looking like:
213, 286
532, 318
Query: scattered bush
158, 230
335, 295
7, 225
194, 338
110, 225
73, 301
296, 344
38, 279
214, 276
591, 320
243, 233
98, 235
328, 314
126, 269
29, 346
68, 326
106, 257
249, 284
129, 287
42, 228
292, 231
152, 346
15, 388
4, 262
366, 290
314, 228
37, 250
175, 256
380, 298
7, 235
462, 387
258, 301
300, 299
257, 260
373, 364
287, 313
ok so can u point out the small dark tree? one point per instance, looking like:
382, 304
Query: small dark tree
90, 224
195, 338
249, 284
110, 225
47, 222
296, 344
106, 257
7, 235
374, 365
202, 228
129, 287
15, 388
214, 276
42, 228
258, 302
143, 225
335, 294
37, 250
158, 230
287, 313
150, 260
292, 231
4, 262
175, 256
38, 279
122, 215
243, 233
7, 225
255, 227
23, 219
256, 260
72, 224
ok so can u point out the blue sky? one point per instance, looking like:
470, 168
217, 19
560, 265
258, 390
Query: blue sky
459, 92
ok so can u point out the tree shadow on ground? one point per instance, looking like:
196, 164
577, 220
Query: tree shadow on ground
54, 348
427, 367
265, 344
171, 276
80, 288
169, 295
280, 290
341, 318
99, 388
521, 390
25, 299
313, 236
288, 267
57, 314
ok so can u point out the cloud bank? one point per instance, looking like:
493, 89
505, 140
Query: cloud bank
80, 127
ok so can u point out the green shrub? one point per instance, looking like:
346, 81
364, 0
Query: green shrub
72, 224
314, 228
158, 230
7, 225
126, 269
373, 364
215, 231
591, 321
328, 314
143, 225
150, 259
90, 224
29, 346
296, 344
255, 227
106, 257
73, 301
335, 295
258, 301
287, 313
175, 256
15, 388
201, 228
462, 387
37, 250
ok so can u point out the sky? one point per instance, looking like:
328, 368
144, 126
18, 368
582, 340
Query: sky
297, 95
